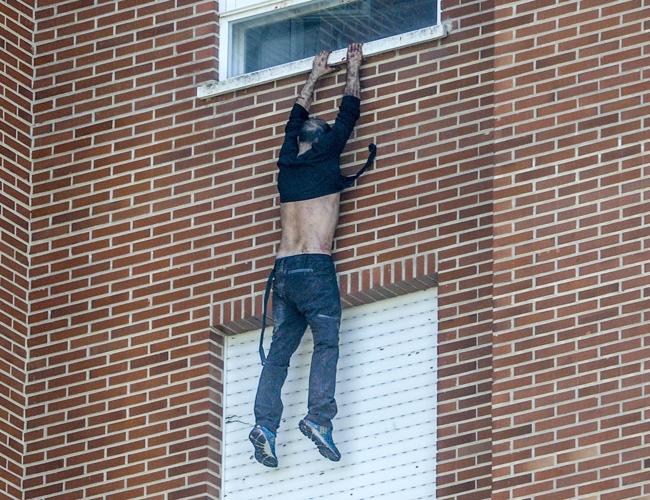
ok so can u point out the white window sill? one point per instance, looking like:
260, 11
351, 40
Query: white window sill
213, 88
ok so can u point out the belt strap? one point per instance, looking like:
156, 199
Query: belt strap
348, 180
269, 281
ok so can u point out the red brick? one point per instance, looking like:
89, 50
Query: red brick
485, 152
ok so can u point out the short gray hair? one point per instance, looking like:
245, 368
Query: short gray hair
312, 130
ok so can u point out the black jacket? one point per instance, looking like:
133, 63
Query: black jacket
316, 172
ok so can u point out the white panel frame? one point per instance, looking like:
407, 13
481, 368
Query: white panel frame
404, 306
236, 10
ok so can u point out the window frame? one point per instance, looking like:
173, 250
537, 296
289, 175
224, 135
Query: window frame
253, 8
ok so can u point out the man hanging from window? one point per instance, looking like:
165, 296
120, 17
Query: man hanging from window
305, 288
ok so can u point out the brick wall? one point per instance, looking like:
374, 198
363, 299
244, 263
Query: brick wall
124, 374
510, 169
570, 401
16, 73
156, 217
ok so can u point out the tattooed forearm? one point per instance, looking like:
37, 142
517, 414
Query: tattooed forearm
353, 86
307, 92
355, 57
320, 67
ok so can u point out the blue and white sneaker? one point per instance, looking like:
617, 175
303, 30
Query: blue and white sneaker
264, 442
322, 437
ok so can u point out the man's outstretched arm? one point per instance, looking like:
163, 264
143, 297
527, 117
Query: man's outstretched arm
349, 110
319, 68
300, 111
355, 56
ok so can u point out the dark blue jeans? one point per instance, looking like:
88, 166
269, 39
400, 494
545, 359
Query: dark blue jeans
305, 292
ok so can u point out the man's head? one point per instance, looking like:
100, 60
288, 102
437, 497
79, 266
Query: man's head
312, 130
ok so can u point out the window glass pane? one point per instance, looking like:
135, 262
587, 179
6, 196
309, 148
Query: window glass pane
276, 38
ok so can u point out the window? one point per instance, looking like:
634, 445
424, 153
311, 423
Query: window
385, 394
262, 40
272, 39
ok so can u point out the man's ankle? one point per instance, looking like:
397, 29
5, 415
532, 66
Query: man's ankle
267, 428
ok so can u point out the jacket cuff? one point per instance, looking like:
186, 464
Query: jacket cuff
298, 112
351, 103
352, 98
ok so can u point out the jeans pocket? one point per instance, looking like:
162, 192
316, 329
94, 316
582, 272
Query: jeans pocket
302, 270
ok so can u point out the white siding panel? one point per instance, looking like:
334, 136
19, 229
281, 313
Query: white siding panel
385, 427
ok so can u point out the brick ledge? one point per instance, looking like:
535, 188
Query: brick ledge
254, 322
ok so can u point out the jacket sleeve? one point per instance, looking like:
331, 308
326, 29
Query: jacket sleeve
297, 117
335, 140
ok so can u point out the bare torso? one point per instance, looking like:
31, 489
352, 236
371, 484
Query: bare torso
308, 226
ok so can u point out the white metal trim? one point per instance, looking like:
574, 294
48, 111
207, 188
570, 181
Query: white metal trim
223, 418
267, 6
213, 87
224, 49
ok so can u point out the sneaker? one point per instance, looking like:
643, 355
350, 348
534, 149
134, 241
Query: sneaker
264, 442
322, 437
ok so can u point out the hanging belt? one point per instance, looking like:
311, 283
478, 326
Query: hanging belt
348, 180
269, 281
